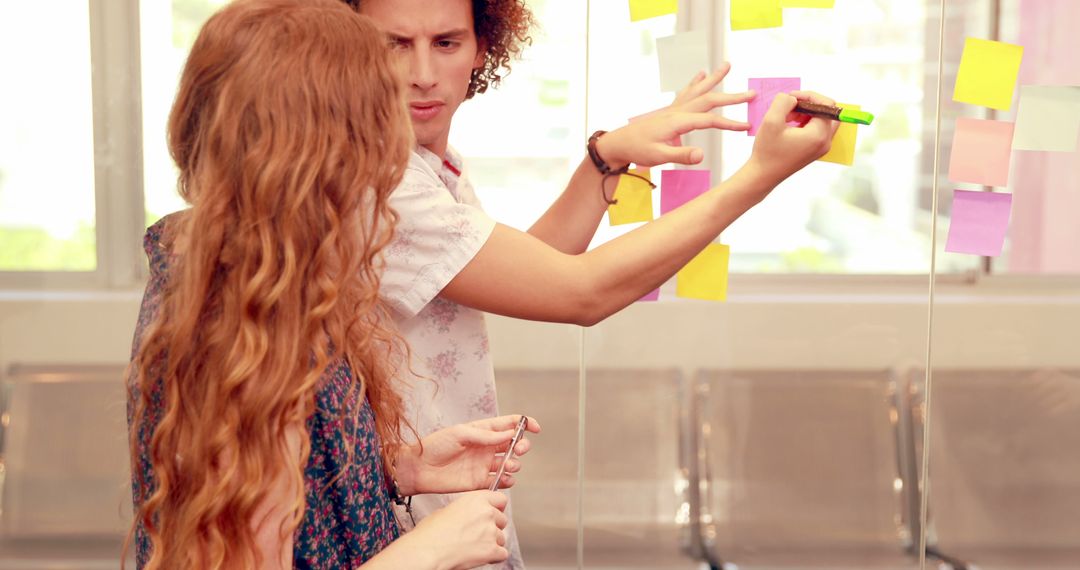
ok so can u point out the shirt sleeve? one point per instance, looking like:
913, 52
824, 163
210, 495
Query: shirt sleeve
435, 238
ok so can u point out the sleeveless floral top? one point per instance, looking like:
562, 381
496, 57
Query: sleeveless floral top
346, 521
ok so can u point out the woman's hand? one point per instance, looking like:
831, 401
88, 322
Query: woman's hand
781, 149
464, 457
647, 140
464, 534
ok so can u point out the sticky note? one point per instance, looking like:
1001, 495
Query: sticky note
680, 57
653, 295
979, 222
981, 152
633, 198
706, 276
987, 75
807, 3
766, 89
753, 14
1048, 118
645, 9
843, 142
678, 187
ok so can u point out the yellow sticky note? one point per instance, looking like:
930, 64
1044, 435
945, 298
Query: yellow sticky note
988, 72
645, 9
706, 276
634, 197
843, 142
752, 14
807, 3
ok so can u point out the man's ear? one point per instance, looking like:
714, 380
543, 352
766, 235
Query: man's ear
481, 53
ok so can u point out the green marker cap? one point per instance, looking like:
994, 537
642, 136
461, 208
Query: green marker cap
857, 117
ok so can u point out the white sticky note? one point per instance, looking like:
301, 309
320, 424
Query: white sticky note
1048, 118
681, 56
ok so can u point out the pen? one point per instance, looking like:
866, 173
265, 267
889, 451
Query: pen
517, 436
834, 113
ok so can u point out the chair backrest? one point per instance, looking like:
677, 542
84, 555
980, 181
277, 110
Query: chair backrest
1004, 461
634, 489
63, 450
799, 461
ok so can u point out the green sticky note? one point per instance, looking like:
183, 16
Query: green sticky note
706, 276
988, 72
807, 3
753, 14
633, 198
843, 142
645, 9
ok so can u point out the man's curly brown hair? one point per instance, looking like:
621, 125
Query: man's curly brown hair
504, 27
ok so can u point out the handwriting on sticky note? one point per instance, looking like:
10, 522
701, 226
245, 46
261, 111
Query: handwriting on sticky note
645, 9
988, 72
633, 199
678, 187
979, 222
1048, 118
706, 276
981, 152
680, 57
843, 142
766, 89
753, 14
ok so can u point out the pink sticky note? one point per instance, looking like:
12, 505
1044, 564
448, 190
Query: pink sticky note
678, 187
677, 141
979, 222
653, 295
981, 152
767, 88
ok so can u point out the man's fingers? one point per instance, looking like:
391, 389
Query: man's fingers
812, 97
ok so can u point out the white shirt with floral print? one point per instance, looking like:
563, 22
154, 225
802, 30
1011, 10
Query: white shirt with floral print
441, 227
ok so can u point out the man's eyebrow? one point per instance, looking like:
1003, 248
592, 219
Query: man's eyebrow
397, 37
454, 34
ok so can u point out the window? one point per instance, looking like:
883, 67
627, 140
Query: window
47, 209
84, 165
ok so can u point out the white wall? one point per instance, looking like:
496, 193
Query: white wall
1024, 328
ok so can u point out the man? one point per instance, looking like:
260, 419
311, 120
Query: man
450, 261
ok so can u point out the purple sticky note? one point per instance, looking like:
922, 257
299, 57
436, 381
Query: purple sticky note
767, 88
678, 187
979, 222
653, 295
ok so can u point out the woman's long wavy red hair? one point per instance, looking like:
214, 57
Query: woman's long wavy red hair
290, 131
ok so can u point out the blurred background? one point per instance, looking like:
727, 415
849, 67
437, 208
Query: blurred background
782, 428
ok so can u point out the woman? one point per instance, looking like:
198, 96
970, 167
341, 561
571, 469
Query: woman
264, 428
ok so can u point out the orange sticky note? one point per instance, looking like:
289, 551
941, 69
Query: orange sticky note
981, 152
645, 9
753, 14
706, 276
843, 142
988, 72
807, 3
634, 199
